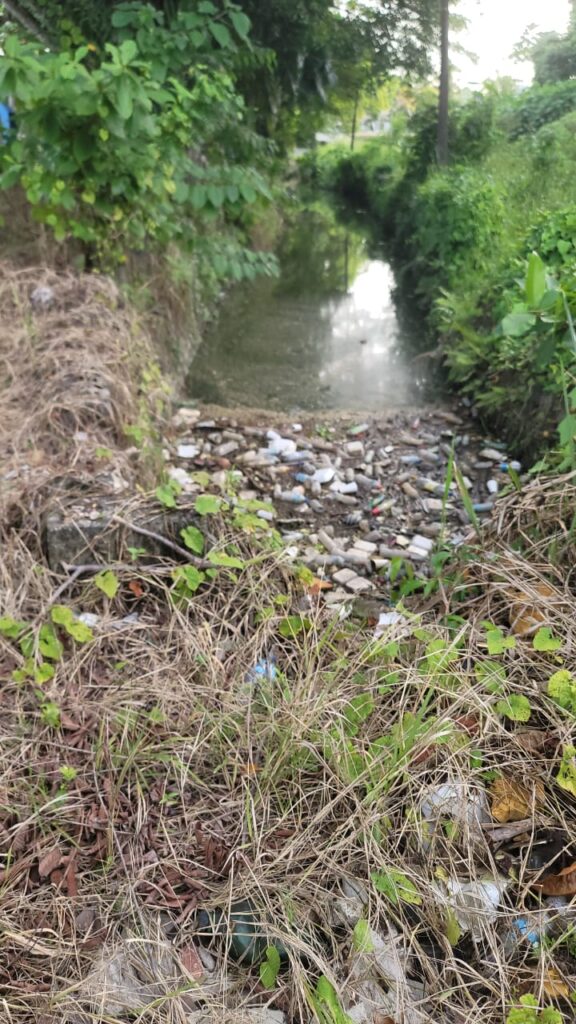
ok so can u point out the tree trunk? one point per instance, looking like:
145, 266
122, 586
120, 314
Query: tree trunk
354, 120
442, 147
30, 23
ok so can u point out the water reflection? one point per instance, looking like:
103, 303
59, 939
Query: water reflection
325, 334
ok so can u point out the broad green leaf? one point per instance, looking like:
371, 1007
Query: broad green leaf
516, 325
11, 628
567, 429
292, 625
43, 673
207, 505
49, 645
166, 493
562, 689
535, 281
128, 50
328, 997
396, 886
124, 98
544, 641
357, 711
566, 777
497, 643
452, 928
108, 583
361, 938
193, 539
227, 561
190, 576
241, 22
517, 708
270, 968
221, 34
491, 674
79, 631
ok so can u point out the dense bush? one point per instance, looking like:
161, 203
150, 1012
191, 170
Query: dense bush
539, 106
140, 143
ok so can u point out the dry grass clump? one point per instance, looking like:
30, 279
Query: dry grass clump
70, 370
174, 782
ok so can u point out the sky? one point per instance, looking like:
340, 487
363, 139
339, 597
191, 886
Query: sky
495, 28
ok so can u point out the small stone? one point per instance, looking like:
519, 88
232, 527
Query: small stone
42, 297
206, 425
422, 542
492, 486
434, 505
358, 585
344, 576
264, 514
355, 448
418, 554
360, 428
228, 448
188, 451
402, 542
365, 546
492, 454
410, 491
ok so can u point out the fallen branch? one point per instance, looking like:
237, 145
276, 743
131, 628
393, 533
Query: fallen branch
183, 552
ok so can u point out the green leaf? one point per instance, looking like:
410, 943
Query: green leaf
128, 51
50, 714
193, 539
241, 22
497, 643
535, 281
124, 100
517, 708
491, 674
190, 576
166, 493
292, 625
227, 561
516, 325
11, 628
270, 968
567, 429
63, 616
108, 583
43, 673
357, 711
207, 505
221, 34
452, 929
49, 645
328, 998
544, 641
562, 689
361, 938
396, 887
566, 777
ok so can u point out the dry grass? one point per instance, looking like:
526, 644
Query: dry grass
150, 779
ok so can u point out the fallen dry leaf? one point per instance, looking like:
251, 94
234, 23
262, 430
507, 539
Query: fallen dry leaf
562, 884
527, 615
532, 740
317, 586
554, 986
513, 801
192, 963
136, 588
50, 861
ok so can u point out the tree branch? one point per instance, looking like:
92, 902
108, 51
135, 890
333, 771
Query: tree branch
27, 21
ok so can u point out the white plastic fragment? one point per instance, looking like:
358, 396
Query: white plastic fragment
188, 451
457, 801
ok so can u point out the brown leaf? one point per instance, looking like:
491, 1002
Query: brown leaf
562, 884
528, 614
70, 877
317, 586
532, 740
136, 588
554, 986
68, 723
50, 861
191, 962
513, 801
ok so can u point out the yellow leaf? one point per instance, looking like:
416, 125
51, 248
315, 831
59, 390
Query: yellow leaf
513, 801
554, 986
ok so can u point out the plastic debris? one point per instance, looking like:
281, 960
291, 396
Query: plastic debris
187, 451
263, 669
456, 801
475, 904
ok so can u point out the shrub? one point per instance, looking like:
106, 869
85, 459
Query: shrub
539, 106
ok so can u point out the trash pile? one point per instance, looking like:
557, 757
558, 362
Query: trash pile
349, 498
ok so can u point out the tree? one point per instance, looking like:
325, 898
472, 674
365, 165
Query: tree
444, 97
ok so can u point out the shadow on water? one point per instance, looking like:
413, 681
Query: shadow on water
324, 334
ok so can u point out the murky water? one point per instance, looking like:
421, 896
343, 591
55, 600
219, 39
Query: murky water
325, 334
